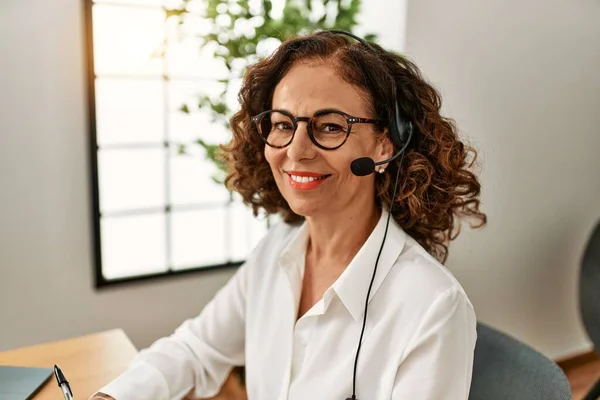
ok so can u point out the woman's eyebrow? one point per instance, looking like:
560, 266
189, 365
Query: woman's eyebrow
329, 110
320, 110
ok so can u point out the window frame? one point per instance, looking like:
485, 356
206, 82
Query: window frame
99, 280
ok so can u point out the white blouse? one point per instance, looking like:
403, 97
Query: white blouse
418, 343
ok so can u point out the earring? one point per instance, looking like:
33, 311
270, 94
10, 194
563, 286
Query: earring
381, 170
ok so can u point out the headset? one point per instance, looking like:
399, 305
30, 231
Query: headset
400, 133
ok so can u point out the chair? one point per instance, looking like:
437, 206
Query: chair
589, 296
506, 369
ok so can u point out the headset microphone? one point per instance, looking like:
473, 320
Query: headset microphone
366, 165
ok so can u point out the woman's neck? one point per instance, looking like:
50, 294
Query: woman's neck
335, 239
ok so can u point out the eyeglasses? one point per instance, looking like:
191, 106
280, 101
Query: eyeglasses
327, 129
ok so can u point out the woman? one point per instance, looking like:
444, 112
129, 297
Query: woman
295, 312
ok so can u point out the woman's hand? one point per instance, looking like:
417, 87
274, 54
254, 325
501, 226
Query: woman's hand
232, 390
102, 396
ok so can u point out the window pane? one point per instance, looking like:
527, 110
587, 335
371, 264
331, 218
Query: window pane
129, 111
245, 230
133, 245
191, 180
131, 179
185, 56
198, 238
198, 123
126, 38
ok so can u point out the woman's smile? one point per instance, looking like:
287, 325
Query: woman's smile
303, 180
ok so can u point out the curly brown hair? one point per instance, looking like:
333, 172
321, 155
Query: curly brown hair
437, 188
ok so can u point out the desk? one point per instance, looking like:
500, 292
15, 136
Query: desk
89, 362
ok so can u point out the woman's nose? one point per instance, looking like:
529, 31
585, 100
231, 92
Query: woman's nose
301, 146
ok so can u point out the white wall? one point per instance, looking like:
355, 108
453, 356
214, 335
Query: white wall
522, 79
520, 271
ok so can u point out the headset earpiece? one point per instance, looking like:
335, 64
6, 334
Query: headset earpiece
400, 131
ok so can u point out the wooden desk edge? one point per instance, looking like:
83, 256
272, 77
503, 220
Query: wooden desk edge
98, 335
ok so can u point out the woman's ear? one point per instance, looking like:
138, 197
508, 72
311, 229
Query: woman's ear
385, 148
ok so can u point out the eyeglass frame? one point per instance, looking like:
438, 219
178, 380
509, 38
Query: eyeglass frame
350, 120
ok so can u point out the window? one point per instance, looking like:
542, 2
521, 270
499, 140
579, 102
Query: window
156, 212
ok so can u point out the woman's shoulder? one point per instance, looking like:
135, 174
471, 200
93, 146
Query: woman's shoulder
419, 292
275, 240
421, 277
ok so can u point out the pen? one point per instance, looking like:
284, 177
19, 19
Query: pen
63, 383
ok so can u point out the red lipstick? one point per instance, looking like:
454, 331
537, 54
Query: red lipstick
305, 180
